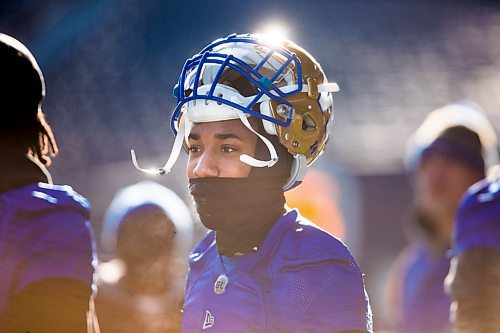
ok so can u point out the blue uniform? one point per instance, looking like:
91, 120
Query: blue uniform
44, 233
301, 279
425, 305
478, 218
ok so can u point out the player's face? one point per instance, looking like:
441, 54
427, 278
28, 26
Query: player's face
442, 182
215, 149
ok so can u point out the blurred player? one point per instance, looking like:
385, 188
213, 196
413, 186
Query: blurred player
149, 230
253, 115
447, 154
474, 279
46, 246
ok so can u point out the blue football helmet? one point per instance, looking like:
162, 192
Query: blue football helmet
249, 75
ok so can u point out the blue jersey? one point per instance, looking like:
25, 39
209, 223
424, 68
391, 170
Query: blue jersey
478, 218
44, 234
425, 305
301, 279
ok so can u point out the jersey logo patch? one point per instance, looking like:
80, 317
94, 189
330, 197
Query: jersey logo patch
220, 284
209, 320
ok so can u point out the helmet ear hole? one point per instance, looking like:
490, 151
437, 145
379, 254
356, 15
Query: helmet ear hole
308, 124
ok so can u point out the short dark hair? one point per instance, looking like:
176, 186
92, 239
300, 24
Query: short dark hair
22, 88
460, 144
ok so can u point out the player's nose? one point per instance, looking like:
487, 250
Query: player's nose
206, 166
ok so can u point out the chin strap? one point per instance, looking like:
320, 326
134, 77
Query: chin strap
180, 137
253, 161
174, 155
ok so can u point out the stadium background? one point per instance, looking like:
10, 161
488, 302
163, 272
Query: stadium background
110, 67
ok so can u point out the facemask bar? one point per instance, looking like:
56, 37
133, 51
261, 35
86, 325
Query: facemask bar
267, 90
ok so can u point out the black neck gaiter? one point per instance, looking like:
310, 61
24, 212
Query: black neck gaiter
240, 210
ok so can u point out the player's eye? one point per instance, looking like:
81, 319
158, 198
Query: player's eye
194, 149
228, 149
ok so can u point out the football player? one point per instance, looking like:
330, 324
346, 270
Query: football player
149, 230
449, 152
474, 278
253, 114
46, 247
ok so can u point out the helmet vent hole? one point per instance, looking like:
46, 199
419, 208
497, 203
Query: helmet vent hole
308, 124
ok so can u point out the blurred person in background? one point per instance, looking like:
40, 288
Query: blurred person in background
474, 279
47, 251
253, 114
149, 230
447, 154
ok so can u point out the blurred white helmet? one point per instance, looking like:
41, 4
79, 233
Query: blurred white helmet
464, 113
148, 192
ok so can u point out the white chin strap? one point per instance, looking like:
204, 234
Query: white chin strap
253, 161
181, 136
174, 155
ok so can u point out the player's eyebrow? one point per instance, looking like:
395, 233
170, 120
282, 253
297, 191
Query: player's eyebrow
224, 136
218, 136
194, 136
